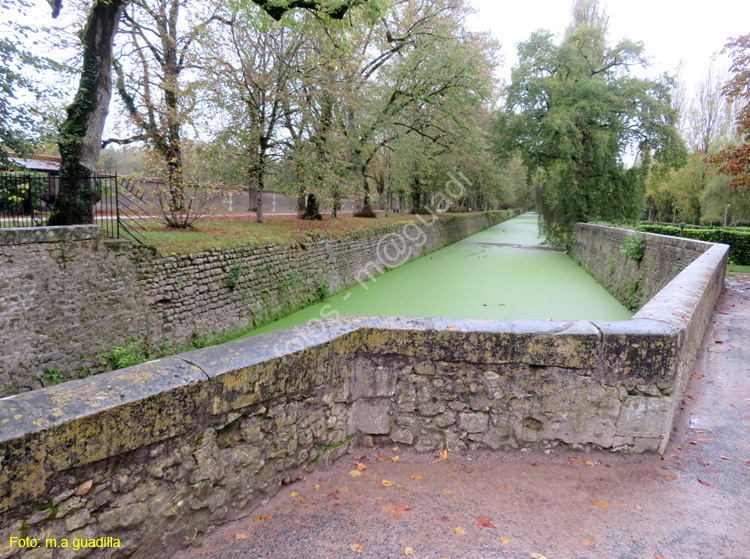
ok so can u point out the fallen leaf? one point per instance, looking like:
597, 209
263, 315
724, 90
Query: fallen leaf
262, 518
357, 501
416, 477
638, 507
316, 487
355, 473
538, 556
301, 499
670, 477
588, 541
444, 453
360, 467
575, 460
460, 531
589, 463
703, 440
408, 551
382, 458
387, 483
356, 547
451, 327
657, 556
513, 502
705, 483
725, 458
601, 504
386, 509
447, 492
242, 536
505, 539
664, 458
295, 494
704, 462
399, 510
345, 489
84, 488
395, 459
503, 486
484, 522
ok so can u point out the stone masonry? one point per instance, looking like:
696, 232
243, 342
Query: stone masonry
66, 299
157, 454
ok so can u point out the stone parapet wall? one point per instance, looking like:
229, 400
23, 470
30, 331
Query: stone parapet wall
155, 454
66, 300
599, 250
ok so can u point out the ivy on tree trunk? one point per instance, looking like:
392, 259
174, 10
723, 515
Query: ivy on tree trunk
81, 132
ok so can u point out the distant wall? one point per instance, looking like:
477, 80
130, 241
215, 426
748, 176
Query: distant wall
599, 249
150, 454
66, 299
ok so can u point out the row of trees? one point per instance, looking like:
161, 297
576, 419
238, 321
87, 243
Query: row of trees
387, 98
350, 98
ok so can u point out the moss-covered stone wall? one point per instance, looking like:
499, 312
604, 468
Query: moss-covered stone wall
156, 454
69, 298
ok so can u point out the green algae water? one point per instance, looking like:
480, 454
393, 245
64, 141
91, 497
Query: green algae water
500, 273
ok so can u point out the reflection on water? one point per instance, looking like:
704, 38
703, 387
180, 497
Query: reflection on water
479, 277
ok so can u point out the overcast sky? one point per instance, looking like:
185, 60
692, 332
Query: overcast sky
672, 31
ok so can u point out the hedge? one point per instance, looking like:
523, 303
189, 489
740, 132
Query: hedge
739, 241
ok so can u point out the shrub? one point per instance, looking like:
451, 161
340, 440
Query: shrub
738, 241
634, 247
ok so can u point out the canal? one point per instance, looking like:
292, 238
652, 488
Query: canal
500, 273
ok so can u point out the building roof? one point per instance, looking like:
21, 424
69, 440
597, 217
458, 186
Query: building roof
40, 163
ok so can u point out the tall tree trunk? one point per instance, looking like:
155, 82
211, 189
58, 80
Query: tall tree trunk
81, 132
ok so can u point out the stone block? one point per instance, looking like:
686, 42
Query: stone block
642, 416
371, 381
372, 416
473, 422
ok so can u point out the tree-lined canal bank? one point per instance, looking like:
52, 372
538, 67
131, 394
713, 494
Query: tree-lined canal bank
500, 273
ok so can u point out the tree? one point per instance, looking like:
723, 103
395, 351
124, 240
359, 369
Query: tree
734, 160
574, 112
248, 66
81, 132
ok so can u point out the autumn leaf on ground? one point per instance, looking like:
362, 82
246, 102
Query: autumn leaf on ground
242, 536
382, 458
360, 467
460, 531
538, 556
484, 522
447, 492
589, 463
416, 477
601, 504
657, 556
505, 539
356, 547
503, 486
670, 477
451, 327
395, 459
399, 510
301, 499
355, 473
725, 458
408, 551
316, 487
705, 483
387, 483
386, 509
588, 541
575, 460
295, 494
262, 518
703, 440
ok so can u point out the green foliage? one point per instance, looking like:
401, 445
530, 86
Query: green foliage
53, 376
739, 241
323, 290
134, 354
235, 273
573, 112
634, 247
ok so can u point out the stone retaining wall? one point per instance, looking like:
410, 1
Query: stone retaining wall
151, 454
66, 300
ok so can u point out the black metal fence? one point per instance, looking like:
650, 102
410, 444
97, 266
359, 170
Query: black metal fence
26, 200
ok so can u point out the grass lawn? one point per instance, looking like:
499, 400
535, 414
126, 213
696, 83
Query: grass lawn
734, 269
228, 232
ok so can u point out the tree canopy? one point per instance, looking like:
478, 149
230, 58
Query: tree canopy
575, 114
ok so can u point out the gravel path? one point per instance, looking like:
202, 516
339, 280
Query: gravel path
693, 503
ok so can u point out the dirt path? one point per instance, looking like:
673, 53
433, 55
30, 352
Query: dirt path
693, 503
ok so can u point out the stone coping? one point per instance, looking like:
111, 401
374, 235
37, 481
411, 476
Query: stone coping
52, 234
